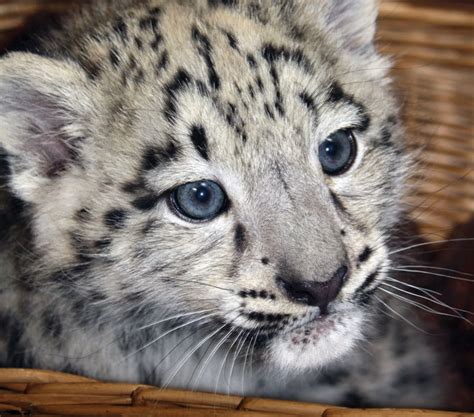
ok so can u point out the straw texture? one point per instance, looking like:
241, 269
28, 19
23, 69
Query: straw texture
44, 393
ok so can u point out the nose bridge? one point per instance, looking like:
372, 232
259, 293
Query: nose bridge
300, 230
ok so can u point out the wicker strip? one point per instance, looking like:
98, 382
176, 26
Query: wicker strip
58, 394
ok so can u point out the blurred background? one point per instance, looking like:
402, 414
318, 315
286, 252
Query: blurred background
431, 43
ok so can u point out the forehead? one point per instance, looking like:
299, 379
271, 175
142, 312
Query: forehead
229, 82
226, 90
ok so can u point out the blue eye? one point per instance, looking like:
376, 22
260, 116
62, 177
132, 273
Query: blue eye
337, 153
201, 200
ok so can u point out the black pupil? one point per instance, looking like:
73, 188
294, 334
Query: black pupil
202, 193
331, 148
337, 152
200, 200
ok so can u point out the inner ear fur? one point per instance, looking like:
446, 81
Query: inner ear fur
44, 106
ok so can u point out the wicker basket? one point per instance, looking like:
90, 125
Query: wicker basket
46, 393
433, 48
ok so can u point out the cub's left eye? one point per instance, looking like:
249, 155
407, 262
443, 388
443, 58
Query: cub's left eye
337, 153
198, 201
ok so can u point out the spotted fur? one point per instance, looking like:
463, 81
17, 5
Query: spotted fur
104, 115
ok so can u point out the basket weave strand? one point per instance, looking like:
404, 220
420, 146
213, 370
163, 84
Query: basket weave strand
40, 393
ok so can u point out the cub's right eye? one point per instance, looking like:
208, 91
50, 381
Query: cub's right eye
198, 201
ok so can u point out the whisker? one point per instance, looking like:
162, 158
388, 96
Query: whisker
177, 316
431, 243
213, 352
434, 300
414, 286
399, 315
416, 271
245, 361
224, 361
188, 355
163, 358
204, 283
235, 357
167, 333
436, 268
418, 305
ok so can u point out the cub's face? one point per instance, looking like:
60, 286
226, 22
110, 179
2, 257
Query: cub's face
227, 171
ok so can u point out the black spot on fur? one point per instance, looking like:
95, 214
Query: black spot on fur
52, 323
336, 93
307, 100
273, 53
205, 50
120, 28
276, 85
365, 255
146, 203
268, 111
413, 377
259, 83
256, 316
282, 179
368, 281
251, 61
114, 57
353, 400
134, 187
139, 76
232, 40
115, 218
149, 23
251, 91
385, 134
333, 377
365, 119
265, 261
240, 238
155, 156
199, 140
12, 331
103, 244
181, 81
225, 3
338, 203
83, 215
92, 68
138, 43
155, 43
96, 296
154, 11
162, 63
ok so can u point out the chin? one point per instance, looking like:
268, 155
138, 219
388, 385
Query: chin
318, 342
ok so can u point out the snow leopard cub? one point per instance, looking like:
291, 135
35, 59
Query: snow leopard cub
200, 194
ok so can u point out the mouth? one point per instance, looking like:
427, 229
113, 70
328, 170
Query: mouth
317, 339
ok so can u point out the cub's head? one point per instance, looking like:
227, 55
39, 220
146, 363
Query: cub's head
236, 163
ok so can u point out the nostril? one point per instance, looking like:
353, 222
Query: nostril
335, 283
314, 293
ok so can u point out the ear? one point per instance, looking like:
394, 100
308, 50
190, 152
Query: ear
353, 22
44, 105
350, 22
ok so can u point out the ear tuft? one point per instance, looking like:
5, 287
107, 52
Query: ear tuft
43, 107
